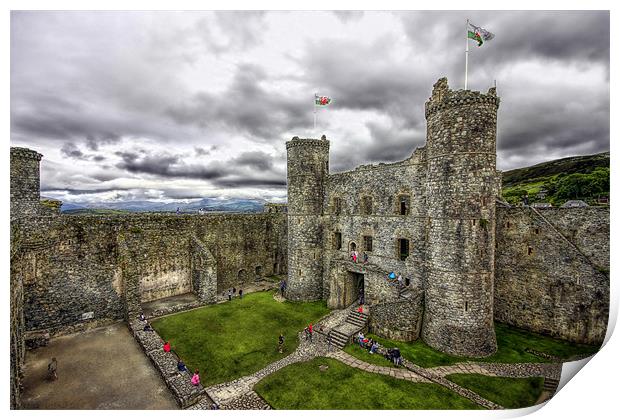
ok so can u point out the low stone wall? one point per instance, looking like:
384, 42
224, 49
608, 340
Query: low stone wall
400, 320
179, 383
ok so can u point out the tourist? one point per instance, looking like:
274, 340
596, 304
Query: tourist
374, 347
196, 378
215, 406
310, 331
360, 310
281, 343
141, 317
306, 333
52, 370
360, 339
396, 359
181, 366
282, 287
229, 294
365, 258
353, 256
167, 347
400, 280
147, 327
361, 297
240, 293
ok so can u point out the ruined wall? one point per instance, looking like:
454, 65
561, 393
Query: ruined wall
17, 327
93, 269
542, 282
400, 320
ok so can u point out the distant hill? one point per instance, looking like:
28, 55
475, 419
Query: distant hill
569, 165
556, 181
228, 205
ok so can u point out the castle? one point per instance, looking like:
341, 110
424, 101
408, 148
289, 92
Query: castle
467, 258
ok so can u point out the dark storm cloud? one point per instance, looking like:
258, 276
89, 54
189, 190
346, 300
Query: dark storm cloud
255, 160
70, 150
84, 83
232, 172
245, 107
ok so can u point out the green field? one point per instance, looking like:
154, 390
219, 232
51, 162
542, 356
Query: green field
303, 386
511, 345
507, 392
234, 339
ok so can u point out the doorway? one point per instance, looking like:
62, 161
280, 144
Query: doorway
354, 288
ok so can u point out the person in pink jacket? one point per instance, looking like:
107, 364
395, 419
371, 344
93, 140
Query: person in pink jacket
196, 378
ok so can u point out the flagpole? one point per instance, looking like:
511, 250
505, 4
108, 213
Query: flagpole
314, 127
466, 50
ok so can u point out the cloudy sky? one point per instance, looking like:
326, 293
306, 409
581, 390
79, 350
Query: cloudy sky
165, 105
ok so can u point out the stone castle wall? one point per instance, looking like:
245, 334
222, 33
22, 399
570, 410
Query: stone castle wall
546, 285
381, 186
307, 169
400, 320
462, 184
25, 182
78, 269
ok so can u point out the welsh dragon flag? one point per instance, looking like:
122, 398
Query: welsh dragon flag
479, 34
322, 100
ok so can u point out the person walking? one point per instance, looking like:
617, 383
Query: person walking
310, 331
281, 343
240, 293
52, 370
167, 347
196, 378
365, 258
229, 294
181, 366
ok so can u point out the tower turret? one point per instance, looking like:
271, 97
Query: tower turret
307, 170
461, 187
25, 181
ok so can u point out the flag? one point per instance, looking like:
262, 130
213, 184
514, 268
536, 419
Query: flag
322, 100
479, 34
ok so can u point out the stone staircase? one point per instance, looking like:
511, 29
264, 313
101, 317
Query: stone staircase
404, 292
354, 323
551, 385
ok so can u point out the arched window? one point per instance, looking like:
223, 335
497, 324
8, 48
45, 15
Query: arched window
337, 206
352, 246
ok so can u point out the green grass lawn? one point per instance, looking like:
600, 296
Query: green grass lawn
302, 386
234, 339
511, 345
507, 392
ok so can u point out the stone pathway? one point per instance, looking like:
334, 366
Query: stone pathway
239, 394
397, 373
511, 370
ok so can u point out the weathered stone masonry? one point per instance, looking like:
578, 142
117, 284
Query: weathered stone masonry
432, 217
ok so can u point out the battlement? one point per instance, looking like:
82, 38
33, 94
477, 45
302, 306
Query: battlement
24, 153
296, 142
443, 97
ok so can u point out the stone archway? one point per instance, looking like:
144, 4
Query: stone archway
352, 246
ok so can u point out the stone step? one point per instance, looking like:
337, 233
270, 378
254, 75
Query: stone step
357, 322
336, 333
550, 384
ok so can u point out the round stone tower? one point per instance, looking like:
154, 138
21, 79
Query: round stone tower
307, 170
462, 184
25, 181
